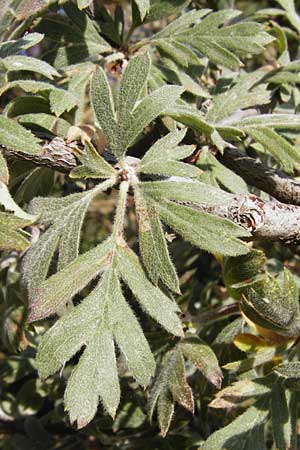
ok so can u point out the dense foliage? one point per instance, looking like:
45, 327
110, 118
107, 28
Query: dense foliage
149, 279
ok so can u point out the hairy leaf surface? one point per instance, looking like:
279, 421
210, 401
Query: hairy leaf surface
123, 122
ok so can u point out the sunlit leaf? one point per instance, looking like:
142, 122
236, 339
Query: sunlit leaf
210, 233
153, 244
123, 123
150, 297
16, 137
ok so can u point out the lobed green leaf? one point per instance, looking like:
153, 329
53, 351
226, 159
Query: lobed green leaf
152, 243
150, 297
208, 232
59, 289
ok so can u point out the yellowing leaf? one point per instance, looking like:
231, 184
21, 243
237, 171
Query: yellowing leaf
250, 343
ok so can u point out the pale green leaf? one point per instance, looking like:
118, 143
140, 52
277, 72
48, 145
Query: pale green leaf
185, 191
9, 204
28, 8
291, 13
4, 174
183, 30
190, 117
123, 126
31, 86
79, 83
280, 148
93, 165
220, 43
177, 52
133, 80
215, 52
84, 42
49, 208
218, 141
184, 21
216, 174
65, 215
164, 8
103, 316
250, 363
55, 125
130, 415
190, 83
277, 121
143, 6
64, 233
147, 110
94, 376
11, 235
61, 101
59, 289
103, 105
38, 180
172, 167
243, 268
68, 335
26, 104
130, 337
166, 147
37, 260
273, 306
215, 20
177, 384
14, 47
20, 62
162, 157
208, 232
102, 378
8, 13
159, 386
150, 297
16, 137
244, 94
70, 233
227, 335
152, 243
82, 4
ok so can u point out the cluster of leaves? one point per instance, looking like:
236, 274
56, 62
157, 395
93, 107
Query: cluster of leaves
200, 80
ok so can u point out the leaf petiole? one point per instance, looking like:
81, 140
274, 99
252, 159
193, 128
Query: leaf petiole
118, 227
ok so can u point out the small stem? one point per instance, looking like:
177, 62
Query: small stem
139, 44
214, 314
101, 187
129, 34
118, 227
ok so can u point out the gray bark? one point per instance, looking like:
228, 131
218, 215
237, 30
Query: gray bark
56, 154
269, 220
274, 182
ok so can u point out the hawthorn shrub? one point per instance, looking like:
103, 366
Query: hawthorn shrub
149, 224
